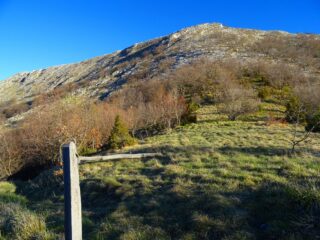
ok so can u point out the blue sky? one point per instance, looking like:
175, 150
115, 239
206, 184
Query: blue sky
36, 34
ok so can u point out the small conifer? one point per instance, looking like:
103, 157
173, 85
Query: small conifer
120, 136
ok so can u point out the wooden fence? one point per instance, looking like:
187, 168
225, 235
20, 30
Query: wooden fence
72, 195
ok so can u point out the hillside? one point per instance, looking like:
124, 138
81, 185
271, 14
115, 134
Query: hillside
217, 180
99, 76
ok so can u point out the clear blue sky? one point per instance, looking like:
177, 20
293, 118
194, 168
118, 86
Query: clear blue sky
40, 33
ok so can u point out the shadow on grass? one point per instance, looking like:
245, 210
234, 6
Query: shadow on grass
167, 150
291, 211
156, 204
259, 150
272, 211
268, 151
169, 212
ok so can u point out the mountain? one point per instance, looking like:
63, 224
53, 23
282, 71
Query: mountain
99, 76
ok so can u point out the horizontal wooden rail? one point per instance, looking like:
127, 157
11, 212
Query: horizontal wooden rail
116, 156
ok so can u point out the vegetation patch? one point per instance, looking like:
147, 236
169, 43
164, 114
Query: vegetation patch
215, 181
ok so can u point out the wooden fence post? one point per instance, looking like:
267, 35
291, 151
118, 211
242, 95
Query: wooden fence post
72, 197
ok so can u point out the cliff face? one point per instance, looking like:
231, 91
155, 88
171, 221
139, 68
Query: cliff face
99, 76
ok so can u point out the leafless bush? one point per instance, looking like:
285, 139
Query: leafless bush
38, 140
236, 100
276, 75
303, 49
10, 154
200, 79
150, 104
70, 119
303, 108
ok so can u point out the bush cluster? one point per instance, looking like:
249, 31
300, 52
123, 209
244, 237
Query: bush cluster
91, 125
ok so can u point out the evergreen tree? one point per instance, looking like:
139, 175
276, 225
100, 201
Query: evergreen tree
120, 136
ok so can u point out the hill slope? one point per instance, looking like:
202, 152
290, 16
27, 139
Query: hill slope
99, 76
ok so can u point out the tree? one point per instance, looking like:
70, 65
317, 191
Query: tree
120, 136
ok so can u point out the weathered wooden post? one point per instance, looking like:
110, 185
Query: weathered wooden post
72, 197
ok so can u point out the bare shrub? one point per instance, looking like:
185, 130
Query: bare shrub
199, 80
273, 74
303, 108
236, 100
303, 49
70, 119
274, 45
280, 75
10, 153
38, 140
150, 104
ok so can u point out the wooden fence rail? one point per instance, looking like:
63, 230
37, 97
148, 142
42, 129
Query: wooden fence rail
72, 196
116, 156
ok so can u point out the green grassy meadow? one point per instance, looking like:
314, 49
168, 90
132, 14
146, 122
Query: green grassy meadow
218, 179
